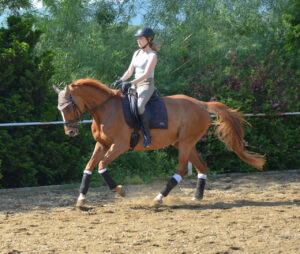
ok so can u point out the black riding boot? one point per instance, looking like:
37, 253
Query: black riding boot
145, 128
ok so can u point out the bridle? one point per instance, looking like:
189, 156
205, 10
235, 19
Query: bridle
77, 111
75, 108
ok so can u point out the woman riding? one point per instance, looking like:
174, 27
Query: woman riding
143, 63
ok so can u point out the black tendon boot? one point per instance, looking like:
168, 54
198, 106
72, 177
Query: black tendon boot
200, 188
145, 128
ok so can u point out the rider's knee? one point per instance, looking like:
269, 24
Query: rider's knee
141, 108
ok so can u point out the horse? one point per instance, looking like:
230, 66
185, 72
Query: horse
188, 120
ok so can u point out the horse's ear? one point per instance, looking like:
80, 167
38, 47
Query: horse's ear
56, 89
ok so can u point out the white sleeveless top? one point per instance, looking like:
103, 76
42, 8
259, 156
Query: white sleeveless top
140, 61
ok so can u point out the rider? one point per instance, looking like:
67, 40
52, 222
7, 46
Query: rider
143, 63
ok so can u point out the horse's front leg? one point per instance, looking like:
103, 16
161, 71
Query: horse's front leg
112, 153
201, 166
98, 154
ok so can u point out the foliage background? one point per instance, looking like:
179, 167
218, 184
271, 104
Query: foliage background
242, 53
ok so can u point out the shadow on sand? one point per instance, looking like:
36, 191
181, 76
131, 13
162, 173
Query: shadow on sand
220, 205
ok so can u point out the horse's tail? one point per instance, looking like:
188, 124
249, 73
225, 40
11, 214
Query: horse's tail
230, 130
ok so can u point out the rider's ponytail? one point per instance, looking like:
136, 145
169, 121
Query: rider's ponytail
154, 46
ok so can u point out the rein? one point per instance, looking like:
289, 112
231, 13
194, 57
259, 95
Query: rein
77, 111
102, 104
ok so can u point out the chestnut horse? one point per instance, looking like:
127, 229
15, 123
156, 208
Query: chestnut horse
188, 121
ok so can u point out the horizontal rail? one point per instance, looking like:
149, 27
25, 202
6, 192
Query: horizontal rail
277, 114
90, 121
40, 123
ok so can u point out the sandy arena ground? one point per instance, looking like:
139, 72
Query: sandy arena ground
251, 213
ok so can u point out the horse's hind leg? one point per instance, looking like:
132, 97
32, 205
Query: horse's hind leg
184, 149
200, 166
114, 151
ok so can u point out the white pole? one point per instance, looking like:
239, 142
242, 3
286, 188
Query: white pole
190, 168
90, 121
40, 123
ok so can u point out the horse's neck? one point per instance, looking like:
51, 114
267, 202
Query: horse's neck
94, 100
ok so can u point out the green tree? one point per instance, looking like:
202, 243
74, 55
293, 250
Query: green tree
90, 39
292, 22
14, 5
292, 17
31, 155
105, 13
196, 33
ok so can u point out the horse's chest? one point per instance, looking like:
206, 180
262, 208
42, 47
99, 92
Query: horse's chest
101, 135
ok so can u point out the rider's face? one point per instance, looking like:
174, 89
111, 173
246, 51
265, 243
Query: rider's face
142, 41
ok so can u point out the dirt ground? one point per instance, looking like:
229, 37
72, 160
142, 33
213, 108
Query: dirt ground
251, 213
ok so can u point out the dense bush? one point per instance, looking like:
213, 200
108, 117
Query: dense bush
30, 155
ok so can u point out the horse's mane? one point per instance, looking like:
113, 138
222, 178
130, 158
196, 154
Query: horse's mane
92, 82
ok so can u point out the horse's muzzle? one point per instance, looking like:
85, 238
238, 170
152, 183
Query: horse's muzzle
72, 132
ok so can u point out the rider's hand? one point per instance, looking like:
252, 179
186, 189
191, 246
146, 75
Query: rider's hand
116, 84
125, 86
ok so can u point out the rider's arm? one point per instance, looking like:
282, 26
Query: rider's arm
128, 73
149, 68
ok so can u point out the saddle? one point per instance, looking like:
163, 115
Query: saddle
155, 109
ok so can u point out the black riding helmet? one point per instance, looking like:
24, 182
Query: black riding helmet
145, 31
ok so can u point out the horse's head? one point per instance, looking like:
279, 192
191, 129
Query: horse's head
70, 111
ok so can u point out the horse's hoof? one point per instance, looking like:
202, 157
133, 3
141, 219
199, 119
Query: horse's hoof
157, 202
120, 190
80, 203
197, 198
